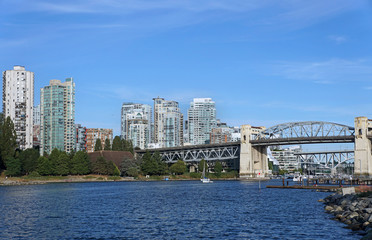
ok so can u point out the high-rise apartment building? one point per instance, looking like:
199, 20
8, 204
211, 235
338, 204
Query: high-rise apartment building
136, 124
18, 103
81, 138
223, 133
168, 123
98, 133
201, 118
58, 116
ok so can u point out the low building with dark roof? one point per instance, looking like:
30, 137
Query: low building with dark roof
115, 156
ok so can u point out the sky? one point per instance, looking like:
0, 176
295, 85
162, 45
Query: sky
264, 62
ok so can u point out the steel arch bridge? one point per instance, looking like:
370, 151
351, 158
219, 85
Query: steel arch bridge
328, 159
309, 132
304, 133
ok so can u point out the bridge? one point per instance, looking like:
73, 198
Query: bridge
331, 160
228, 153
249, 155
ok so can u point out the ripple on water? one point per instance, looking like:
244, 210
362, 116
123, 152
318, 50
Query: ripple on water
164, 210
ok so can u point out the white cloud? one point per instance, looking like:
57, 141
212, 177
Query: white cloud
343, 112
337, 39
325, 72
291, 14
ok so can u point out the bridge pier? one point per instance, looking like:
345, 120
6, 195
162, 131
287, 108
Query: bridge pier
253, 160
363, 149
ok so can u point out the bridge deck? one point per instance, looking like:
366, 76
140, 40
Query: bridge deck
302, 140
190, 147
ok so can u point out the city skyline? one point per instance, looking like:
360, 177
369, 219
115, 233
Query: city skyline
262, 63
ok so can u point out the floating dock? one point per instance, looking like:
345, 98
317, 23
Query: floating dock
305, 187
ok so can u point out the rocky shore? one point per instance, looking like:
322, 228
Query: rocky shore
355, 210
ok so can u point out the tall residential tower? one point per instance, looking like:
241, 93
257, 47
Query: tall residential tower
18, 102
201, 120
168, 123
57, 103
136, 124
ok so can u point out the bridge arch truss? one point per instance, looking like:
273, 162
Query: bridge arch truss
333, 160
304, 133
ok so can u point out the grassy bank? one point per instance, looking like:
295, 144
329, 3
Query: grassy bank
24, 180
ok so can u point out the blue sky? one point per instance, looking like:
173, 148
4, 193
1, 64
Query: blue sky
262, 62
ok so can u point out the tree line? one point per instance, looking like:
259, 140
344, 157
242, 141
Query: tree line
152, 164
16, 162
118, 144
57, 163
29, 162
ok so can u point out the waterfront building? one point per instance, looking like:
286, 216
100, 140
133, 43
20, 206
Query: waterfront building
201, 117
18, 103
223, 133
98, 133
81, 137
58, 116
287, 158
136, 124
168, 123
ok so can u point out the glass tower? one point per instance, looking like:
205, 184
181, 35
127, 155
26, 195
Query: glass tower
58, 116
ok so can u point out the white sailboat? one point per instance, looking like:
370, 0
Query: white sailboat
204, 179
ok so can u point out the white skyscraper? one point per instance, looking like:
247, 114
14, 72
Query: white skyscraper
18, 102
168, 123
136, 121
201, 120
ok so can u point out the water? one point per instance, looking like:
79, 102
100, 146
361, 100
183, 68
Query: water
165, 210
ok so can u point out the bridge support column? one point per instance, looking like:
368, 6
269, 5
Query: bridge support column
362, 151
253, 160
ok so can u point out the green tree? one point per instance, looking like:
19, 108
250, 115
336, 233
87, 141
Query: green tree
107, 145
178, 168
112, 169
201, 165
28, 160
44, 166
218, 168
80, 163
98, 145
62, 164
8, 143
271, 166
53, 157
100, 166
127, 146
282, 172
117, 144
161, 165
153, 165
132, 172
127, 164
149, 165
13, 167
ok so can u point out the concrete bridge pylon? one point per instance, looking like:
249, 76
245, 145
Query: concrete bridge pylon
253, 159
362, 147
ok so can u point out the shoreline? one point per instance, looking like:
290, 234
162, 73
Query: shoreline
18, 181
354, 210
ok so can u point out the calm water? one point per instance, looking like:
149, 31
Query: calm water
164, 210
